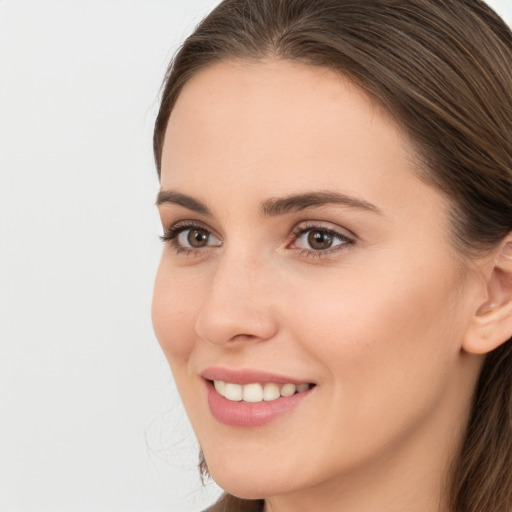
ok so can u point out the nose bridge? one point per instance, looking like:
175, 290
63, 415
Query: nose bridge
241, 266
238, 304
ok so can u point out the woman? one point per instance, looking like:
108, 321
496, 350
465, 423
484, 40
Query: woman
335, 293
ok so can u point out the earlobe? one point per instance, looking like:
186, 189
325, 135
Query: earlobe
492, 322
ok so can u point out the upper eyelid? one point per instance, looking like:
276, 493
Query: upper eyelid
344, 239
320, 225
171, 234
188, 224
297, 230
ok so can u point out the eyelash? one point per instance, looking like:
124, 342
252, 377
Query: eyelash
336, 236
171, 236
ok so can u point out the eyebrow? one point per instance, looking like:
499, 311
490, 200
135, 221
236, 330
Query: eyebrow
295, 203
274, 206
169, 196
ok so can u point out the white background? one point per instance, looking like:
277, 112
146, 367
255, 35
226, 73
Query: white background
89, 417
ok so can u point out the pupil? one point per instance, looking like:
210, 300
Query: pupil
197, 237
319, 240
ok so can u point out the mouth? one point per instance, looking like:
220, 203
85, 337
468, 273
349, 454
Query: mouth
258, 392
251, 398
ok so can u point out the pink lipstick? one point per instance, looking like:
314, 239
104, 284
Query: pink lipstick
252, 398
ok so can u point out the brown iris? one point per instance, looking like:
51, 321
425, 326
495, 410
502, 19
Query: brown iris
319, 240
197, 237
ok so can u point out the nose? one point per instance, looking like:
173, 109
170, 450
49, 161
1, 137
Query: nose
238, 306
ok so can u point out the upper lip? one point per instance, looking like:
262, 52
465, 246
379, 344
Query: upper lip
248, 376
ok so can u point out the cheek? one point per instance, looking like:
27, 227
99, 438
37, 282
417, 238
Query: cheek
173, 312
380, 338
383, 353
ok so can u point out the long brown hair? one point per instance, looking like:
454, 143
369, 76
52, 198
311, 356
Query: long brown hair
443, 70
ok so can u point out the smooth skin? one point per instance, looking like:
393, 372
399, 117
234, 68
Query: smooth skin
364, 296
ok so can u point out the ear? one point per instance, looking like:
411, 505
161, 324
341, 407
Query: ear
491, 325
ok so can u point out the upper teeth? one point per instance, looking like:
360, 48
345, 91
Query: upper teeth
257, 392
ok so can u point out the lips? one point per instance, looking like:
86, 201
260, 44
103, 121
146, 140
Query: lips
252, 398
249, 376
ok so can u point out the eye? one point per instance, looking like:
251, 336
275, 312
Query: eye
193, 237
318, 240
190, 238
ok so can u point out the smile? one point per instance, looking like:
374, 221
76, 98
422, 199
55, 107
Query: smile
253, 398
255, 392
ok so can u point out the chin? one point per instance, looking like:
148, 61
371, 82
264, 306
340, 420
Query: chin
248, 490
249, 483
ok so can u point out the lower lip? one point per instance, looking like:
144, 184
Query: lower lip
246, 414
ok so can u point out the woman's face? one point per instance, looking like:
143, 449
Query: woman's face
302, 249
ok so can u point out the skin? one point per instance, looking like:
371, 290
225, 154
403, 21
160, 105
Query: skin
378, 324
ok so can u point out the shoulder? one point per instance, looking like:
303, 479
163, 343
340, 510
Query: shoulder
229, 503
217, 507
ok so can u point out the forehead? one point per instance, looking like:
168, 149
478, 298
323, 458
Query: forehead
269, 124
